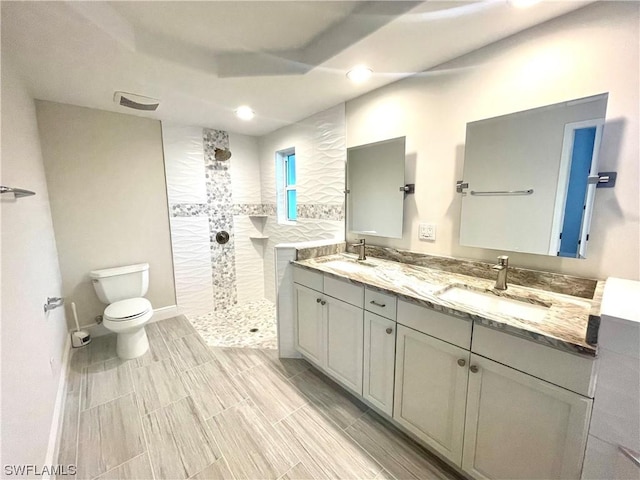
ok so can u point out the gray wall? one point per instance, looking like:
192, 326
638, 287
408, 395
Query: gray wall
105, 173
32, 341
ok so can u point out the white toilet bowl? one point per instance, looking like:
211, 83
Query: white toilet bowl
127, 318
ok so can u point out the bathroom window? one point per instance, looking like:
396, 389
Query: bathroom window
290, 186
287, 194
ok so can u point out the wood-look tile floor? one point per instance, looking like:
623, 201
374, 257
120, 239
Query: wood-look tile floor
189, 411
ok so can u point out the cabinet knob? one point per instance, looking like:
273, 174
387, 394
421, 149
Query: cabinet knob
318, 300
462, 362
474, 368
323, 302
389, 330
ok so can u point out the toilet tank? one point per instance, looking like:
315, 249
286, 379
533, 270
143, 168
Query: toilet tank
120, 283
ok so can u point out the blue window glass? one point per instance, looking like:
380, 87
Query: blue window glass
583, 143
291, 205
291, 170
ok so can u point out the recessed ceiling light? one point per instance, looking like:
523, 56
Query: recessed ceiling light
359, 74
245, 113
522, 3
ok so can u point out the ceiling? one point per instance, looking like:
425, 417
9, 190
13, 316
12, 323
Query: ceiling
287, 60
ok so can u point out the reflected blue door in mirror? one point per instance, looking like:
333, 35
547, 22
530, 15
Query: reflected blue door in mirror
583, 143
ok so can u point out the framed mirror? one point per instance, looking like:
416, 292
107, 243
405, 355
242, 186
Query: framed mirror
530, 178
375, 177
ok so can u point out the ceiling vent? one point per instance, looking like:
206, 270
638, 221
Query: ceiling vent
137, 102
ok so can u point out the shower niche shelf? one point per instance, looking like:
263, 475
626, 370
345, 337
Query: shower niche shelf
258, 222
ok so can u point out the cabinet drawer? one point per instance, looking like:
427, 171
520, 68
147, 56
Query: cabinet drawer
445, 327
308, 278
383, 304
573, 372
344, 290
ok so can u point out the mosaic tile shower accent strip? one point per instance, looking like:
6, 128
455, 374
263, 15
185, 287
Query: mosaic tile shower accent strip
189, 210
321, 211
254, 209
220, 203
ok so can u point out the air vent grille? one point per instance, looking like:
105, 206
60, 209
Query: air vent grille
137, 102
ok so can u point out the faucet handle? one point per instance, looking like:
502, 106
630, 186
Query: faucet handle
503, 260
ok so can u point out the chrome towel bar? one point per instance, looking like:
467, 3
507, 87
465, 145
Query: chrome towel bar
17, 192
503, 192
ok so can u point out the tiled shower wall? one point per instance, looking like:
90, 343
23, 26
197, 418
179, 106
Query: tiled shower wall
321, 154
239, 196
201, 192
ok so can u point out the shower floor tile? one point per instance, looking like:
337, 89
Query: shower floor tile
247, 325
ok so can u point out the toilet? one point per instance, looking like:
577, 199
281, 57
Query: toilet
122, 288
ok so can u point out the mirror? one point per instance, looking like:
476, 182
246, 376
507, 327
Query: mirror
375, 175
531, 177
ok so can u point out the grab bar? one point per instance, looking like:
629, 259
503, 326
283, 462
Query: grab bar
53, 302
503, 192
18, 192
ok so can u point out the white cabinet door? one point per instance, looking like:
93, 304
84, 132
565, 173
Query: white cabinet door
379, 360
344, 337
519, 426
431, 390
308, 322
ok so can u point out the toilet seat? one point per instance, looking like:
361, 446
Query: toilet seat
129, 309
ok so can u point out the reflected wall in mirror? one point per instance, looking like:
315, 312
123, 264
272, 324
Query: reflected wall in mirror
375, 175
532, 177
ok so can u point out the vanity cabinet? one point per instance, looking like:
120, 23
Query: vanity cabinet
328, 330
431, 390
496, 405
379, 360
518, 426
309, 320
343, 336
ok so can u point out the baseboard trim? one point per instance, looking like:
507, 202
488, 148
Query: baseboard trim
58, 410
162, 313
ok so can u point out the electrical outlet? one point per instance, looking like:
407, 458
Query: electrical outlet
427, 231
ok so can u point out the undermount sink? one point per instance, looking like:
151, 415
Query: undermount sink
348, 264
492, 303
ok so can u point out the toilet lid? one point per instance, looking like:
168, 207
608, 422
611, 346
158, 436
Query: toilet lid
124, 309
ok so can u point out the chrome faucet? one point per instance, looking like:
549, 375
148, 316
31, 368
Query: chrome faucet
361, 247
502, 267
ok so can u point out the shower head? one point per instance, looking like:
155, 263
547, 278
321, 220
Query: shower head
222, 154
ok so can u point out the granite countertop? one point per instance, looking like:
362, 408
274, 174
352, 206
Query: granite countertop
566, 318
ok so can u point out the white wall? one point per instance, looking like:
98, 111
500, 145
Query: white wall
319, 143
246, 189
184, 167
590, 51
105, 172
30, 273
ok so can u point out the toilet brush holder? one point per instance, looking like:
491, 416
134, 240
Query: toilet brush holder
79, 338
